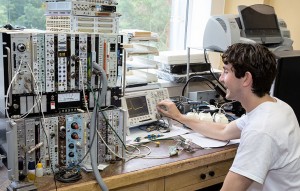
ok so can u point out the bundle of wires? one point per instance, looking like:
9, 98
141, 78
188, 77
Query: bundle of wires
68, 175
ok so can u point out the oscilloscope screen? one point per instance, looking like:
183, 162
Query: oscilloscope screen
137, 106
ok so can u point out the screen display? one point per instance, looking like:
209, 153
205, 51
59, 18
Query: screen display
137, 106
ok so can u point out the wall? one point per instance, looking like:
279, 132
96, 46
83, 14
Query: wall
288, 10
231, 5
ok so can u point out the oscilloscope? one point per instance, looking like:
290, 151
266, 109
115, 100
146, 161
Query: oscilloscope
141, 106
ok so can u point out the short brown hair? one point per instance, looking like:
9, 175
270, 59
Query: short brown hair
256, 59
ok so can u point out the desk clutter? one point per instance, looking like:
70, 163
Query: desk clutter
66, 109
60, 144
173, 65
148, 161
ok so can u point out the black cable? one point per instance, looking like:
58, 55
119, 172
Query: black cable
227, 142
218, 89
59, 175
193, 77
51, 166
210, 70
209, 85
68, 175
230, 117
55, 177
106, 120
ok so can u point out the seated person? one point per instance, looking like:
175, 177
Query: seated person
268, 157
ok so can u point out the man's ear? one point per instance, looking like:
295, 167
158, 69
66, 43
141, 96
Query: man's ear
248, 79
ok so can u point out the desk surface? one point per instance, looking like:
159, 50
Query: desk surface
138, 170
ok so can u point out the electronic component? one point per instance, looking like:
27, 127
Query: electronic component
111, 135
259, 23
80, 8
254, 24
74, 139
62, 141
47, 72
52, 73
141, 106
71, 23
49, 150
208, 96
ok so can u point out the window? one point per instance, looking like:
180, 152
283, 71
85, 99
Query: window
23, 13
165, 17
151, 15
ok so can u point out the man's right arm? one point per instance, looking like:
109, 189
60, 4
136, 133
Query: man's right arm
236, 182
213, 130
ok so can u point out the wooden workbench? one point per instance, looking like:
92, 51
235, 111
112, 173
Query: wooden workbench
185, 172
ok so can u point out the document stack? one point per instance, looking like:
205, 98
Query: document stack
173, 65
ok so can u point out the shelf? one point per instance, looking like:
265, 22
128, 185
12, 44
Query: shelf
135, 77
154, 38
135, 35
141, 63
139, 49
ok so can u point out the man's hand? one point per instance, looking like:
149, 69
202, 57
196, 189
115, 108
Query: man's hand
169, 109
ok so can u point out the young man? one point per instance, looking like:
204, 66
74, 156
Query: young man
268, 157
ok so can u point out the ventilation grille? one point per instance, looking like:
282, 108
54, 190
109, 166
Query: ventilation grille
222, 23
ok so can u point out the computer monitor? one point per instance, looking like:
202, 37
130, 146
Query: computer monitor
259, 23
286, 85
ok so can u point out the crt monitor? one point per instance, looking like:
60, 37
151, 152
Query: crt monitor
259, 22
286, 85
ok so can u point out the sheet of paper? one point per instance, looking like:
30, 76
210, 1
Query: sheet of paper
205, 142
136, 132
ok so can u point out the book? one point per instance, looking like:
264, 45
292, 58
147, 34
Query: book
137, 32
